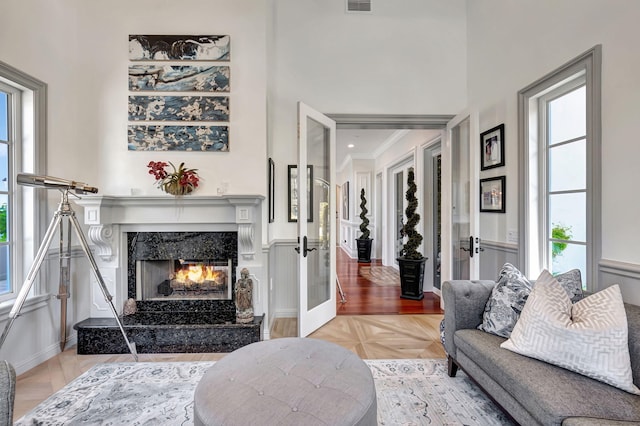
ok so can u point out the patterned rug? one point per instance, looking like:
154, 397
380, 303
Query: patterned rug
380, 275
409, 392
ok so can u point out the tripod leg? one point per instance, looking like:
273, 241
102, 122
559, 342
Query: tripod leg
103, 286
65, 279
31, 276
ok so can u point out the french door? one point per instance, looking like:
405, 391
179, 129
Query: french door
460, 199
316, 197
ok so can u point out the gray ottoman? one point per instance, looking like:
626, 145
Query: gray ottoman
292, 381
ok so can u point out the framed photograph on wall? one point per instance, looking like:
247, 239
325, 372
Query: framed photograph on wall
492, 148
272, 208
293, 193
493, 192
345, 200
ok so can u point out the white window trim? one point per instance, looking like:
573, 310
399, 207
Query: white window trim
589, 63
33, 120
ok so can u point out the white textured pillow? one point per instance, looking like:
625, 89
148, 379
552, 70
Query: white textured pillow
590, 337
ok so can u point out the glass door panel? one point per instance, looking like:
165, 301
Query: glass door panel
316, 224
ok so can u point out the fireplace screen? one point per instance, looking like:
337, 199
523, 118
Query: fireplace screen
183, 279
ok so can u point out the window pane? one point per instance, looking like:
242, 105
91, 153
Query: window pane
570, 256
4, 118
568, 212
568, 166
4, 167
4, 219
5, 283
567, 116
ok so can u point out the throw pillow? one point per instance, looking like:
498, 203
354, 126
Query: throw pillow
589, 337
506, 302
571, 281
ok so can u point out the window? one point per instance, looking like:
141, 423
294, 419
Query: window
8, 98
559, 123
22, 143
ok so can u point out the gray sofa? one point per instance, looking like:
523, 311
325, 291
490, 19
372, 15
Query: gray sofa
532, 392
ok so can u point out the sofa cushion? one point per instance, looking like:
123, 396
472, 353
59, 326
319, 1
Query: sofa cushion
510, 295
506, 302
549, 393
589, 337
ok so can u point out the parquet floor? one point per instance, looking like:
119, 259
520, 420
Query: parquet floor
380, 334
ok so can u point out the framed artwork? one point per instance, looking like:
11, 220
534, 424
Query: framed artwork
272, 171
493, 192
492, 148
177, 87
345, 200
293, 193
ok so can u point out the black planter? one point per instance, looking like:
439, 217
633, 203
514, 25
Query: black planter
411, 278
364, 249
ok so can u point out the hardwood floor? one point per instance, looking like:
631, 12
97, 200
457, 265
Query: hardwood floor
380, 334
375, 289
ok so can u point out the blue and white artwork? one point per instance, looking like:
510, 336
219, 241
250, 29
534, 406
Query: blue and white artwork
178, 138
179, 78
179, 108
179, 47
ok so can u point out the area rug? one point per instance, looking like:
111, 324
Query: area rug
409, 392
380, 275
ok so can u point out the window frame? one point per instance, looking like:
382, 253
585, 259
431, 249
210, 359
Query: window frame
532, 208
29, 123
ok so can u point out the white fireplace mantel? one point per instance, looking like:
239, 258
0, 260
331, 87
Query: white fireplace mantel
101, 213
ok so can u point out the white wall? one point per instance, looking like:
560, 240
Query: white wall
407, 57
512, 44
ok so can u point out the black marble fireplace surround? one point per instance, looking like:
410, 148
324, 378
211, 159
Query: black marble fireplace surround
177, 326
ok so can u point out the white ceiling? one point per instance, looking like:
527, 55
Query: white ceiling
365, 142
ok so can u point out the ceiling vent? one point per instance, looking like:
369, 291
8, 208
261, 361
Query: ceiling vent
358, 6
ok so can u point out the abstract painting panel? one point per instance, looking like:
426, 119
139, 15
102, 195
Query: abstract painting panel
178, 108
179, 47
178, 138
179, 78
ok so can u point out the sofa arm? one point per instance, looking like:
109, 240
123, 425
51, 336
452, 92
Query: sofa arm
464, 303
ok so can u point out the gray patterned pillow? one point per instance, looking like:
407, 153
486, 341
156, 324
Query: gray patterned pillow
506, 302
571, 281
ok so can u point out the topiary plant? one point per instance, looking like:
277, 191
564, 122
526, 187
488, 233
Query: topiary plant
410, 248
364, 225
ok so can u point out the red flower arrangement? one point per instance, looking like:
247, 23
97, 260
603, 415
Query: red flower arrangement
180, 182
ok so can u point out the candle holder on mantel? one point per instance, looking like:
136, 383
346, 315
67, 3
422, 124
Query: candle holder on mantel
181, 181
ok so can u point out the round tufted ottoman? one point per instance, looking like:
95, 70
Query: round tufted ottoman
292, 381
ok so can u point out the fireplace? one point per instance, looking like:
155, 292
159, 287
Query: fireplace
178, 261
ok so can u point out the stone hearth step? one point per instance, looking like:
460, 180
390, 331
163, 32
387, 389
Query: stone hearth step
103, 336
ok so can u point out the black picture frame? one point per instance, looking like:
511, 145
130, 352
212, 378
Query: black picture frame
492, 148
493, 193
272, 208
292, 174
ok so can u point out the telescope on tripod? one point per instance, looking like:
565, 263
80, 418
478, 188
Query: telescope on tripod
64, 211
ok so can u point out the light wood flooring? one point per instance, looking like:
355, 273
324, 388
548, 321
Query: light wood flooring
413, 335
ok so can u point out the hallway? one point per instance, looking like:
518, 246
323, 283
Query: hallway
371, 288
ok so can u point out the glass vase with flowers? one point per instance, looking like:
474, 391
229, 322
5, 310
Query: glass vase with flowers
180, 181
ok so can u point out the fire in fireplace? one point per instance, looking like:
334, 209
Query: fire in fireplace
183, 279
182, 265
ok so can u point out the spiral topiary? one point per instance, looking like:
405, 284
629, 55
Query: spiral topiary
410, 248
363, 217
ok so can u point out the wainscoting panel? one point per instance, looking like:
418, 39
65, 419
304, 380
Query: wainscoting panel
495, 255
283, 277
627, 275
